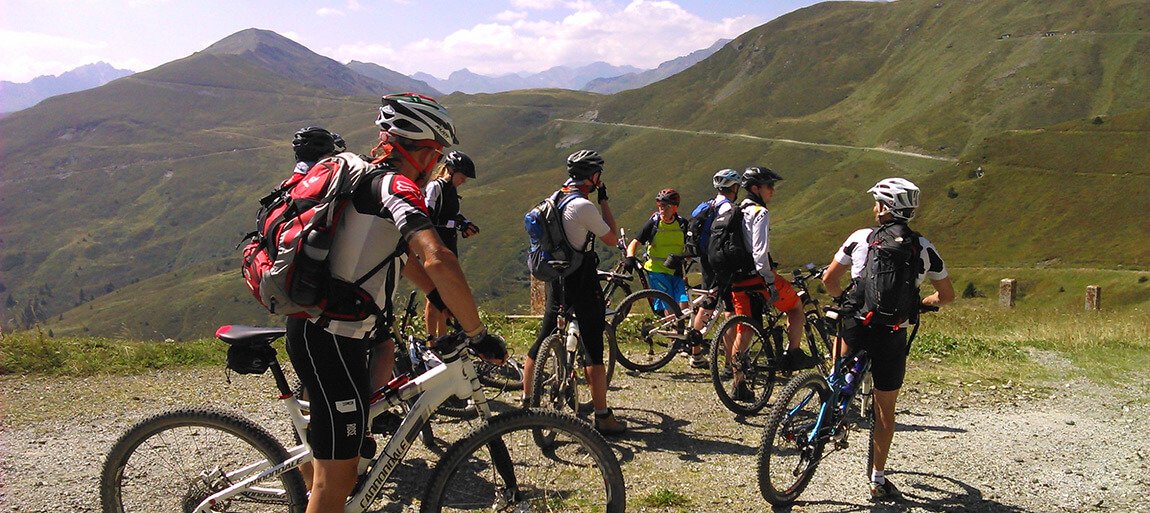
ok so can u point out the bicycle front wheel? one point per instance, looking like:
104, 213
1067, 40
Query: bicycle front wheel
642, 338
791, 448
175, 460
555, 385
755, 361
499, 468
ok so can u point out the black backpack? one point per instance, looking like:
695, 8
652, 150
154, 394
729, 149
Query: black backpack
727, 251
887, 291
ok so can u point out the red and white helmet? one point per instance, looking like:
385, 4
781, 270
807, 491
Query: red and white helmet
416, 117
898, 197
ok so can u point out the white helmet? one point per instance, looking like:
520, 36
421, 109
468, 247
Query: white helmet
898, 197
726, 178
416, 117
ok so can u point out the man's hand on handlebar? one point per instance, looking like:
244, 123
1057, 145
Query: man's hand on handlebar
491, 348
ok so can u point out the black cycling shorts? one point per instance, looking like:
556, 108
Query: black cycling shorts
708, 276
886, 348
333, 369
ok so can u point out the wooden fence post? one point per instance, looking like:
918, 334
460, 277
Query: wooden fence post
1007, 289
538, 296
1093, 297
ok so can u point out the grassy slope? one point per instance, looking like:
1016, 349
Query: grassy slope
173, 183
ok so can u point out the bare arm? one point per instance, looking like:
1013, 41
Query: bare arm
414, 273
833, 278
633, 247
441, 266
611, 237
943, 295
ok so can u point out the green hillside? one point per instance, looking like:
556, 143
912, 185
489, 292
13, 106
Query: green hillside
1032, 151
919, 74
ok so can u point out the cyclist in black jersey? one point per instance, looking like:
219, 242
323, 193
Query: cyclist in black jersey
895, 202
442, 196
389, 223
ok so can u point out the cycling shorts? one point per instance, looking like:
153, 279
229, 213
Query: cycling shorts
673, 285
744, 305
886, 348
333, 369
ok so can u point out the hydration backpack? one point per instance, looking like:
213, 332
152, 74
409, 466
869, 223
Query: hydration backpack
285, 261
699, 228
727, 250
544, 225
887, 289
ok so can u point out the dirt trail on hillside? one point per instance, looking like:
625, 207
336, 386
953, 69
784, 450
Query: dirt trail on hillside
1062, 447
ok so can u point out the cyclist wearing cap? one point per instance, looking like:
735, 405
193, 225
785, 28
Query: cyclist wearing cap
442, 196
387, 222
760, 184
582, 222
895, 202
726, 182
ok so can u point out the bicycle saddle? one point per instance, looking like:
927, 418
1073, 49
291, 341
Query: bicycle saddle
238, 335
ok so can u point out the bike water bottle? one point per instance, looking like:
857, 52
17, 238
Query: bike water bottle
309, 273
366, 453
853, 376
572, 336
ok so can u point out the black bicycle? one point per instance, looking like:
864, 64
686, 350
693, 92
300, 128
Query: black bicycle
560, 382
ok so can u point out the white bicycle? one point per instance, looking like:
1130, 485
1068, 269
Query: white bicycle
212, 460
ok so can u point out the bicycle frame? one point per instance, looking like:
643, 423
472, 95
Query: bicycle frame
456, 377
834, 411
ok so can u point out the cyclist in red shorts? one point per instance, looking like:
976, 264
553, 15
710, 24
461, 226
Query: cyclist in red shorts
760, 183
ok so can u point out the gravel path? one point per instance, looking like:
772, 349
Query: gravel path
961, 447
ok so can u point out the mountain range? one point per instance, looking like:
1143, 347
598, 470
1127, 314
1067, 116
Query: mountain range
1027, 126
559, 77
17, 96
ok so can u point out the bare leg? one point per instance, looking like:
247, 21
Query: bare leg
333, 482
884, 402
795, 322
597, 380
528, 375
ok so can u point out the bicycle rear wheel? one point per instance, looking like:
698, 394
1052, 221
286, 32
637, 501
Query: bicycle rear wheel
643, 339
499, 468
790, 451
173, 461
756, 362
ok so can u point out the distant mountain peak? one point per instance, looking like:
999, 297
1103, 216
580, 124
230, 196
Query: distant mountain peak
251, 40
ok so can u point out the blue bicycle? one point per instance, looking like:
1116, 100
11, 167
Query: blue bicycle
812, 411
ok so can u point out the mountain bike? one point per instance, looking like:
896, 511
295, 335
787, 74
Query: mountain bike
759, 360
562, 357
812, 411
208, 459
645, 340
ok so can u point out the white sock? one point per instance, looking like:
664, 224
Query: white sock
877, 477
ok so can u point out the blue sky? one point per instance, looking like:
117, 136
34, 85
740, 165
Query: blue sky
48, 37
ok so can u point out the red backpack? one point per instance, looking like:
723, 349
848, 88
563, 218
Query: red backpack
285, 261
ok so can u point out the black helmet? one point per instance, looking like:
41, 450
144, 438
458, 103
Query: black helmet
312, 143
459, 162
756, 175
340, 144
583, 164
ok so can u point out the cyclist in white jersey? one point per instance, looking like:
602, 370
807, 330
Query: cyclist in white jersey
895, 201
389, 223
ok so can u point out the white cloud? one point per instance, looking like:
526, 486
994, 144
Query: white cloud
354, 6
28, 55
643, 33
535, 4
510, 16
327, 11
